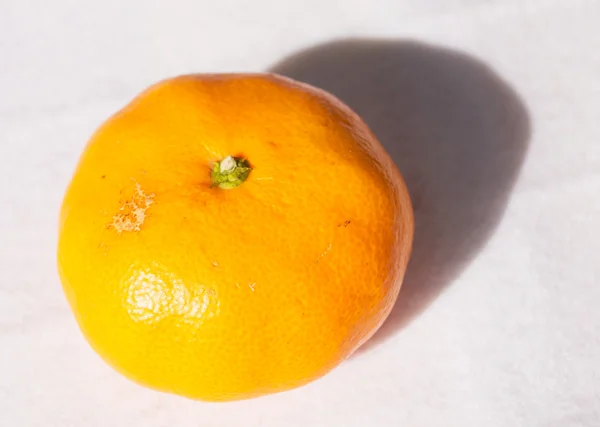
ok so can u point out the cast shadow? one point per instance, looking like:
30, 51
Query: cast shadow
457, 132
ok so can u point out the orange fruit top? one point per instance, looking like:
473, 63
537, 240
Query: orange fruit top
219, 293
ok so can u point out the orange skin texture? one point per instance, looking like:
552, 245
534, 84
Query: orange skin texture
225, 294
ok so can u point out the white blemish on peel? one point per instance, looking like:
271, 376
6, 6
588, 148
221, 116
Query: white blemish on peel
155, 294
324, 253
251, 286
132, 214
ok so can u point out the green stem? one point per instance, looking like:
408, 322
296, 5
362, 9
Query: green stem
230, 172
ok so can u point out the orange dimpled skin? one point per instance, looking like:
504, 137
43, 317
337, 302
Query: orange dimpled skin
224, 292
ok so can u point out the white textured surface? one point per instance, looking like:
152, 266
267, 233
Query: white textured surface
513, 339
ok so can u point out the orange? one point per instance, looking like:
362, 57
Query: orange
229, 236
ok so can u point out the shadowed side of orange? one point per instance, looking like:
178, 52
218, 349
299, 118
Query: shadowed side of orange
228, 236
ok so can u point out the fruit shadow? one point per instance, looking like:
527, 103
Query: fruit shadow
458, 133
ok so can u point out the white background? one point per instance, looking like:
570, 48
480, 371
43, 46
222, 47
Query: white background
499, 321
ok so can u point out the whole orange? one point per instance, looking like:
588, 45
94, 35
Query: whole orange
229, 236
